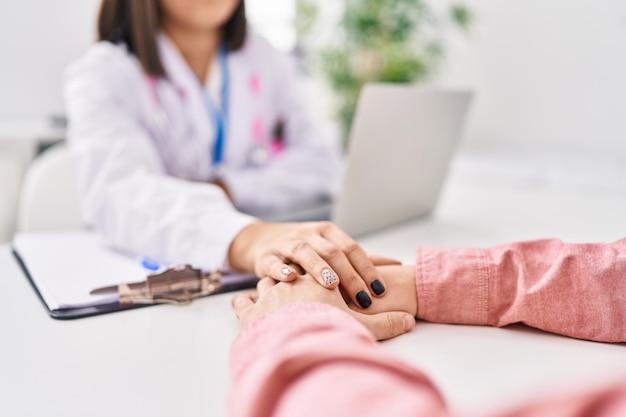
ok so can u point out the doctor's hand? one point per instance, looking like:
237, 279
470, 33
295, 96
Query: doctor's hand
271, 295
401, 294
321, 249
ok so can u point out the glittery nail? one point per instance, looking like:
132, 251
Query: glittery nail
329, 277
286, 270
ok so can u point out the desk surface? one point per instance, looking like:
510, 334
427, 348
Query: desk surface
173, 361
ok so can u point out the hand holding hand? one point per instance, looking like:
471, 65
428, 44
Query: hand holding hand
271, 295
320, 249
401, 294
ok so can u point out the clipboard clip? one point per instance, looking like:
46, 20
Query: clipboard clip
176, 285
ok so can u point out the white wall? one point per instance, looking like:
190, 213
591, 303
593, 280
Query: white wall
38, 39
275, 19
548, 75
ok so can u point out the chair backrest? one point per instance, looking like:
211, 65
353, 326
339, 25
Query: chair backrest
49, 197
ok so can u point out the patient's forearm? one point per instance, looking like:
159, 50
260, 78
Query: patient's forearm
577, 290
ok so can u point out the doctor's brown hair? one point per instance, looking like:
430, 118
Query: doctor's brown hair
136, 23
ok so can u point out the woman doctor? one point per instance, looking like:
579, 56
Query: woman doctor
180, 114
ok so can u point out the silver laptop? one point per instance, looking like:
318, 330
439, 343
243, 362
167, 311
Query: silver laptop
401, 143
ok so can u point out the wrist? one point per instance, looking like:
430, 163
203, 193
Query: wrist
401, 293
410, 287
241, 251
246, 246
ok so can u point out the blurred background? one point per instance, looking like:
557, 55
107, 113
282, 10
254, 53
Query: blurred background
548, 78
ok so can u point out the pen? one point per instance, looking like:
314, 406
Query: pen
150, 264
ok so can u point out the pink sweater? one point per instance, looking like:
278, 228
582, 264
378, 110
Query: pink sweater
319, 361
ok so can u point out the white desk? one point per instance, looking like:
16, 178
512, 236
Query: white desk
172, 361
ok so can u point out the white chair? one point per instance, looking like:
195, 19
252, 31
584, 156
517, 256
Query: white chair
49, 196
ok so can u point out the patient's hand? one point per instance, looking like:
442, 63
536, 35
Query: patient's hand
401, 293
271, 295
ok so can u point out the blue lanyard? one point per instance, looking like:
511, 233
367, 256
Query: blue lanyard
219, 117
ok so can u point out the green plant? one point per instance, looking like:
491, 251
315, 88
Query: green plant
397, 41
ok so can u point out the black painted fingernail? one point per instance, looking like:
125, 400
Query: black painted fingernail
377, 287
363, 299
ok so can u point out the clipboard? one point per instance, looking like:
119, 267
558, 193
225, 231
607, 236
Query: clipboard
63, 281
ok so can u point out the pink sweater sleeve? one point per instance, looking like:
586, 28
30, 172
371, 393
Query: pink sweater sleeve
315, 360
312, 360
577, 290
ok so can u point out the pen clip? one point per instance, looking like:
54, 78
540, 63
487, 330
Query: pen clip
176, 285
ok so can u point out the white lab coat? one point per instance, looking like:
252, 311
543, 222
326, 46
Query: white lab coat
143, 154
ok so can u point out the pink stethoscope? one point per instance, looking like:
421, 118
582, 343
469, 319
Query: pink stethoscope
261, 151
